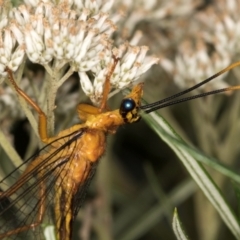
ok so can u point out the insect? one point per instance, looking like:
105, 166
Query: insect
55, 180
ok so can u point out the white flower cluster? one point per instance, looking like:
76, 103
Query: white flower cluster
224, 30
69, 33
154, 12
11, 53
193, 63
208, 48
131, 65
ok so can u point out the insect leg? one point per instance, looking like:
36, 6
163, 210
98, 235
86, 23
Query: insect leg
84, 110
63, 214
39, 219
106, 89
41, 115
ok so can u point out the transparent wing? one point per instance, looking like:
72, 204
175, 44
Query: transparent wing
27, 204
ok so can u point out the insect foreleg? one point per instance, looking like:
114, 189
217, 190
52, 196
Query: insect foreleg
41, 211
106, 88
41, 115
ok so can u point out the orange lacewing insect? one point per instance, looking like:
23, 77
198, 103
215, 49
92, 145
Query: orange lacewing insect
52, 187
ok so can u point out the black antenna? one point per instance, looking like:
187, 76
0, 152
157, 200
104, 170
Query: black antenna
167, 101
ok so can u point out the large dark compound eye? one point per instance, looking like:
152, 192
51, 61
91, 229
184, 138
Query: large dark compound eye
127, 105
129, 110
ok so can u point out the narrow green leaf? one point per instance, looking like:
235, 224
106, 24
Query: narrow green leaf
195, 169
177, 227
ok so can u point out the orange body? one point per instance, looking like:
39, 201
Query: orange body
67, 165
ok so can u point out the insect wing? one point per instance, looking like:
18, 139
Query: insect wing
31, 198
20, 204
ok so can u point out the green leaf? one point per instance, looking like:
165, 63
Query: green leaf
195, 169
177, 227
